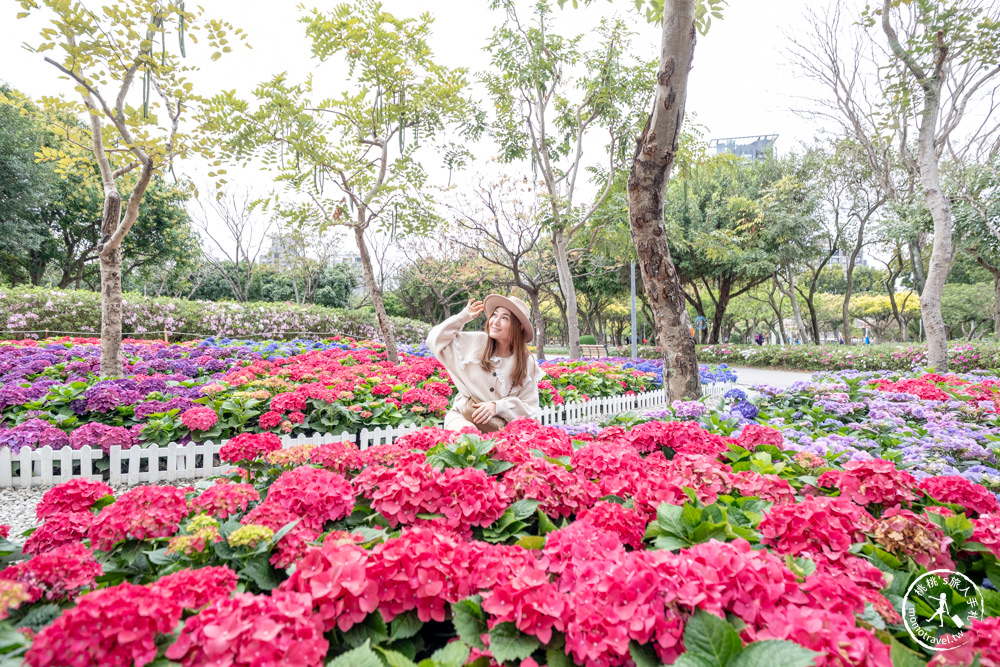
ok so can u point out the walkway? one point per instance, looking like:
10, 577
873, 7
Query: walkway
751, 376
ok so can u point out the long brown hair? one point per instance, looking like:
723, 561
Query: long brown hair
517, 343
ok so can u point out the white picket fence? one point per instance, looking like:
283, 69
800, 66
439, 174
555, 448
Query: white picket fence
172, 462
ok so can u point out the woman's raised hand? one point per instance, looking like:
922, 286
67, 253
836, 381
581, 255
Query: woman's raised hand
473, 308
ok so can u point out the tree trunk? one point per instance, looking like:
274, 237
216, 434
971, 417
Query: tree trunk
536, 315
569, 292
796, 312
930, 179
996, 302
384, 323
111, 291
647, 181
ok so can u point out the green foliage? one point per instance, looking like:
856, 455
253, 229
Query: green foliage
711, 641
678, 527
78, 312
587, 339
733, 223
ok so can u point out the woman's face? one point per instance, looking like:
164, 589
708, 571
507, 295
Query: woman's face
500, 323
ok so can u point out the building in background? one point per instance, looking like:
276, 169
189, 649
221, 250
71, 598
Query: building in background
754, 147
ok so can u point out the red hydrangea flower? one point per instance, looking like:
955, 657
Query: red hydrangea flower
819, 526
757, 434
252, 630
337, 456
76, 495
731, 577
293, 545
522, 435
836, 637
771, 488
614, 466
528, 601
194, 589
875, 482
421, 569
141, 513
975, 498
224, 499
465, 496
269, 420
68, 528
469, 497
335, 577
702, 473
683, 437
110, 627
569, 550
288, 402
494, 564
199, 419
870, 580
4, 531
59, 574
314, 494
628, 524
560, 492
425, 438
986, 531
249, 446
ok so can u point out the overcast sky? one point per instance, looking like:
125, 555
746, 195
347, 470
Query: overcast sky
741, 83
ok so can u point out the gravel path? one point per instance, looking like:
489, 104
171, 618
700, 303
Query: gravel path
17, 506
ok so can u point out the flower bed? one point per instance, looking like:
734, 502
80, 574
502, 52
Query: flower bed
51, 394
637, 543
962, 356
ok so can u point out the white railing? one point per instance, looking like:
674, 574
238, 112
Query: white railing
168, 463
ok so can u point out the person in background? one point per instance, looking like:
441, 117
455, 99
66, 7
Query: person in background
493, 370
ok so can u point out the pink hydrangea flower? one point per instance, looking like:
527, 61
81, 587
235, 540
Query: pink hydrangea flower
819, 526
975, 498
313, 494
249, 446
335, 577
560, 492
141, 513
76, 495
221, 500
199, 419
60, 529
252, 630
875, 482
110, 627
58, 574
194, 589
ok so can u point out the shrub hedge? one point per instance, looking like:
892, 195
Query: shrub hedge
30, 312
963, 356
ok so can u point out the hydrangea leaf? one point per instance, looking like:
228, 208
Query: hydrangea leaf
509, 643
451, 655
712, 638
772, 652
404, 625
470, 625
362, 656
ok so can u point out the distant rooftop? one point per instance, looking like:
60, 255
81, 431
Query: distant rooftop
753, 147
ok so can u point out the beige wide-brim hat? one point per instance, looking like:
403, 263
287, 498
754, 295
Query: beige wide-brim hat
514, 305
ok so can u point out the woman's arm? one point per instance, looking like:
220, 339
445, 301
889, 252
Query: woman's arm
443, 335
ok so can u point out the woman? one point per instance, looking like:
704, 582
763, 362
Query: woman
496, 376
